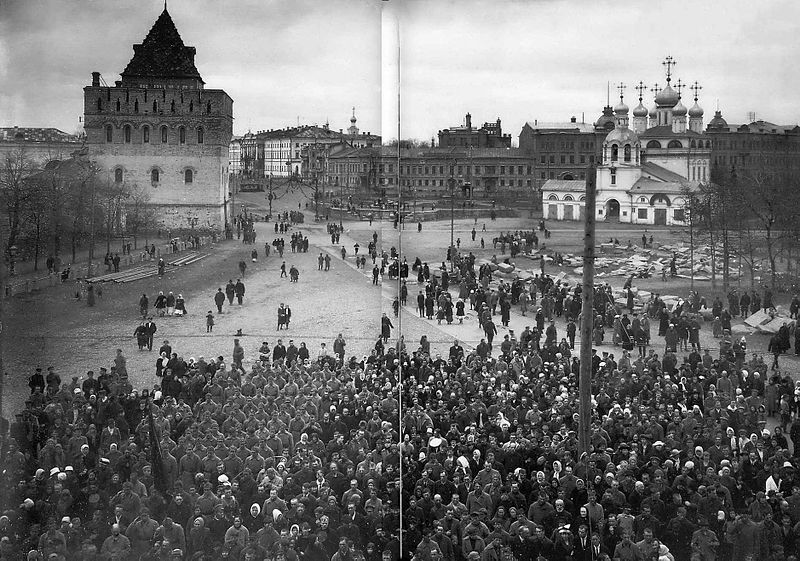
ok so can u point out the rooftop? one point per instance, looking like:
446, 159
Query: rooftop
36, 134
566, 126
162, 54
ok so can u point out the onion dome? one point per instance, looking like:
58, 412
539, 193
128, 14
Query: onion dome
696, 110
640, 110
621, 109
679, 110
667, 97
653, 112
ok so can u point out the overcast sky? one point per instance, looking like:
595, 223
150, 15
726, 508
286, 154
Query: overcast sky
518, 60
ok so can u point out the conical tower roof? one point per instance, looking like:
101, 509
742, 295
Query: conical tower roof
162, 54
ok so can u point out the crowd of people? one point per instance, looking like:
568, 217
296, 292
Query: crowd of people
285, 454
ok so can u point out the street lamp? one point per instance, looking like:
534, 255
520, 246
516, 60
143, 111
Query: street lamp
452, 211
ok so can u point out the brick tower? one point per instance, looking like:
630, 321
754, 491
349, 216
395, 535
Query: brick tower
160, 129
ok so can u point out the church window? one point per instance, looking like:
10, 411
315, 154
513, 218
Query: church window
127, 133
654, 144
118, 175
188, 176
613, 176
568, 198
674, 144
191, 106
200, 135
109, 133
164, 134
155, 176
614, 152
627, 152
145, 134
155, 106
182, 135
99, 104
172, 106
117, 105
692, 145
552, 198
135, 105
208, 107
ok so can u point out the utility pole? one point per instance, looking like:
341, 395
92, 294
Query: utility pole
587, 311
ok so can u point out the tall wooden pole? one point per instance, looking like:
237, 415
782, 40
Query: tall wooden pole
587, 310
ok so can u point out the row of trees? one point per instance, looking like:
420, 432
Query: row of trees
751, 212
61, 207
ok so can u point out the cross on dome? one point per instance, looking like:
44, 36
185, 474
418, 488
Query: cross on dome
679, 85
640, 87
695, 88
654, 89
669, 62
621, 87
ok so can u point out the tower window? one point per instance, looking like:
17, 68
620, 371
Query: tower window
172, 106
109, 133
118, 175
200, 135
182, 135
118, 105
155, 176
155, 106
614, 152
127, 133
613, 177
164, 134
145, 134
191, 106
99, 104
208, 107
136, 106
188, 176
627, 153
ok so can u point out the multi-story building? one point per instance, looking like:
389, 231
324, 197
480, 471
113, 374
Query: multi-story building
748, 148
235, 156
161, 128
431, 172
41, 145
490, 135
563, 150
285, 152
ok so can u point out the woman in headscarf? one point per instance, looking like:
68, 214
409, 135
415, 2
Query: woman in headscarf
253, 520
198, 538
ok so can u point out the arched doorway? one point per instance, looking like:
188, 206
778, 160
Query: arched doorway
612, 209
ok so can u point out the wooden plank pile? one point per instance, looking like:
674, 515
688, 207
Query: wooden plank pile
148, 270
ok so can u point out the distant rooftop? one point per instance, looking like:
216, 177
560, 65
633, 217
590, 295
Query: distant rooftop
36, 134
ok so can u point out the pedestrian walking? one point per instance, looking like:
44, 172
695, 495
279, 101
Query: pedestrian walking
161, 267
230, 291
327, 262
161, 304
151, 328
180, 306
170, 301
239, 290
219, 300
209, 321
386, 328
283, 269
320, 260
242, 267
294, 274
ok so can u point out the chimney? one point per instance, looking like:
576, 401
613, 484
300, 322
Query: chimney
573, 119
95, 79
469, 121
118, 83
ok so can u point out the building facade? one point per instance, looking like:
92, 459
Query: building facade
490, 135
747, 148
431, 172
563, 150
159, 127
647, 168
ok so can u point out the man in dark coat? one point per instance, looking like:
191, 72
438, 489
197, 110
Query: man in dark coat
219, 300
239, 291
230, 291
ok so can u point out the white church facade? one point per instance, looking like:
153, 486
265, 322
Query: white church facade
647, 167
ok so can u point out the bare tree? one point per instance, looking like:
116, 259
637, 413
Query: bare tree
140, 215
17, 166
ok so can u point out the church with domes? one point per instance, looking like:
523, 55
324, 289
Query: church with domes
648, 163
